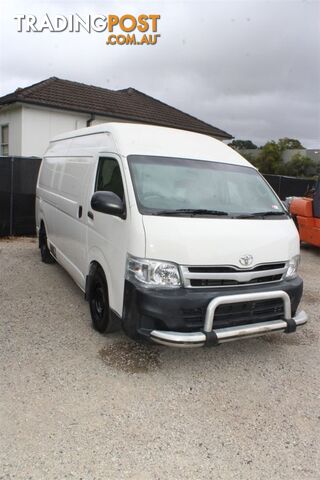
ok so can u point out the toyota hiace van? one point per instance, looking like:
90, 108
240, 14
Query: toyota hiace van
169, 233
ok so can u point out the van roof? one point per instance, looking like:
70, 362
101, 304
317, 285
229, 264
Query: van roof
142, 139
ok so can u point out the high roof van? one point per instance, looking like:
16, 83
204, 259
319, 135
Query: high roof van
170, 234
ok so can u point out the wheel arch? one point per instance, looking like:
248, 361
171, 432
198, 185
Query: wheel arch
114, 282
93, 266
96, 258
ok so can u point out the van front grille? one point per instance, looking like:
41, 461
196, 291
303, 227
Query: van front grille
226, 283
229, 315
230, 269
231, 276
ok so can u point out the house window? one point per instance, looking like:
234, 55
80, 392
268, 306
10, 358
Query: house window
4, 140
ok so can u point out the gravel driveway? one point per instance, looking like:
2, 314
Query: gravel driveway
78, 405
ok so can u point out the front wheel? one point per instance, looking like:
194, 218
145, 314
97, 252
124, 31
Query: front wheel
99, 302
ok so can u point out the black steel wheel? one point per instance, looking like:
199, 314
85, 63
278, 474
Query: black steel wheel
102, 320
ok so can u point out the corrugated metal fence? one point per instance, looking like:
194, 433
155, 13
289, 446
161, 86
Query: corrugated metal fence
18, 178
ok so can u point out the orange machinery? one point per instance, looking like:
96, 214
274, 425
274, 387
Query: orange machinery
306, 213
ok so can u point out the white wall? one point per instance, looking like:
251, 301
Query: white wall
40, 125
32, 127
13, 117
100, 119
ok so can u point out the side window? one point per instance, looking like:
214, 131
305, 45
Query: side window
4, 140
109, 177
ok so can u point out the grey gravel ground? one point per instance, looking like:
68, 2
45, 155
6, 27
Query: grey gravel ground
78, 405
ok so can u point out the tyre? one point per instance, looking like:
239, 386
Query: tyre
46, 256
102, 320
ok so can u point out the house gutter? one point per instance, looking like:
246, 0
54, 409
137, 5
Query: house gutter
91, 119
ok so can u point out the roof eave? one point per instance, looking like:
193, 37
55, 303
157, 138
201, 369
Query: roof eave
218, 134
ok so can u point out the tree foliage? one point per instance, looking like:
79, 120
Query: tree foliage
289, 144
242, 145
302, 166
269, 159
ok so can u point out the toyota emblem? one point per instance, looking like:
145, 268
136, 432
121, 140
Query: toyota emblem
246, 260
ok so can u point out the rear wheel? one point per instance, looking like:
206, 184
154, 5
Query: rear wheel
102, 320
46, 256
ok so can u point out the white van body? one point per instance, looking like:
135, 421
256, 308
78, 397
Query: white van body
211, 262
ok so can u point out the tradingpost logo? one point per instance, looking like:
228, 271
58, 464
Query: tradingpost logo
126, 29
129, 25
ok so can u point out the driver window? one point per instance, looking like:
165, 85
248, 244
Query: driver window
109, 177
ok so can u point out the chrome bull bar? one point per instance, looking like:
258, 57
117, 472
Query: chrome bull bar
209, 336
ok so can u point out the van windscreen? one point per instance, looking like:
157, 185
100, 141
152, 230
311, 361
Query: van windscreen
188, 187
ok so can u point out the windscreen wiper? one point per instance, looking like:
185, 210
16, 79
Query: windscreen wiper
192, 211
270, 213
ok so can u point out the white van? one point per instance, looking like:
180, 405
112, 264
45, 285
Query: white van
171, 234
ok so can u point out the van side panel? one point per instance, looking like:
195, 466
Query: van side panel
64, 192
62, 187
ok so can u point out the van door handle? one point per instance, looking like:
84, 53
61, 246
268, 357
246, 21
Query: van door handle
90, 215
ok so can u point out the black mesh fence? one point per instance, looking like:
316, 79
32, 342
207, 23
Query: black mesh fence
18, 178
5, 195
289, 186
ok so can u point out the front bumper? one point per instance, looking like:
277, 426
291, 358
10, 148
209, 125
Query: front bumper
160, 316
210, 336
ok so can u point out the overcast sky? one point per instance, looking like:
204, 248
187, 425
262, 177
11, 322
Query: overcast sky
251, 68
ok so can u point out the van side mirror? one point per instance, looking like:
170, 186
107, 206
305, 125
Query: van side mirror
108, 202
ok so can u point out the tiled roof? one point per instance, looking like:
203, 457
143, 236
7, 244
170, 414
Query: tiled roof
129, 104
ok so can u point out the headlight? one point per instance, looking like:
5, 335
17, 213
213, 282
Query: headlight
153, 273
293, 265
